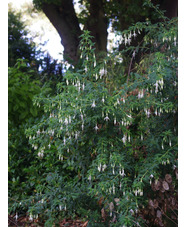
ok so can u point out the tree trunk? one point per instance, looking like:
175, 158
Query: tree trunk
65, 21
170, 6
97, 24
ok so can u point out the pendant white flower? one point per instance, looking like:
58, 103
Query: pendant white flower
106, 118
96, 128
99, 167
124, 139
104, 167
38, 132
93, 104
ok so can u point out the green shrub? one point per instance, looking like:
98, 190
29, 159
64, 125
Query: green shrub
107, 146
21, 115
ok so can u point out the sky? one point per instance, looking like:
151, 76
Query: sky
44, 28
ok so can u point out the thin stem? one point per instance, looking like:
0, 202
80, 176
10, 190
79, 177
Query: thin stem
167, 216
132, 60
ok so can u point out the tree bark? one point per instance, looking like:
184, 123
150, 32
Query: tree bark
97, 24
170, 6
64, 19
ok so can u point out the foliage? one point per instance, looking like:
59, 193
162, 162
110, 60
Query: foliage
106, 149
21, 91
19, 45
22, 114
50, 71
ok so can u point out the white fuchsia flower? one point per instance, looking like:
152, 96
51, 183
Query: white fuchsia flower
66, 121
113, 166
31, 217
113, 188
124, 139
16, 217
129, 41
104, 167
93, 104
134, 54
49, 146
96, 128
140, 94
103, 100
41, 153
76, 135
38, 132
126, 40
101, 72
35, 147
106, 118
122, 172
131, 211
99, 167
61, 157
175, 41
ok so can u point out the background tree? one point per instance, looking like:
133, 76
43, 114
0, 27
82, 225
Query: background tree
19, 45
96, 16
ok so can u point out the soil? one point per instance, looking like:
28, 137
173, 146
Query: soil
24, 221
